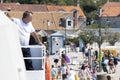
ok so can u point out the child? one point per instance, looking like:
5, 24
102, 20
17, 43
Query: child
53, 73
59, 73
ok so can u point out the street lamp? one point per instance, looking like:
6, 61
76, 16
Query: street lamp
108, 25
65, 39
62, 23
107, 22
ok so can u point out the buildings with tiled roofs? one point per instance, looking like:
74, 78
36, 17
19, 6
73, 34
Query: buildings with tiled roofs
110, 15
47, 17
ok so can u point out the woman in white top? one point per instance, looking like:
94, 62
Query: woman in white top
82, 74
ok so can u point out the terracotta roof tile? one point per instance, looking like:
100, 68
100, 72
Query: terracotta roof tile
43, 13
111, 9
40, 8
23, 7
67, 9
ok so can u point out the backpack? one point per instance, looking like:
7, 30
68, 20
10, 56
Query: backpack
103, 64
53, 72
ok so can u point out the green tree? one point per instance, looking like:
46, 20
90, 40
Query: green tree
69, 2
89, 8
42, 1
113, 37
24, 1
87, 37
61, 2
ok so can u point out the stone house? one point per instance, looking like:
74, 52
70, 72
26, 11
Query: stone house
47, 17
110, 15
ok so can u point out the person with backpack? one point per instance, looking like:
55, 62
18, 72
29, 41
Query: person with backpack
104, 65
111, 65
53, 72
59, 72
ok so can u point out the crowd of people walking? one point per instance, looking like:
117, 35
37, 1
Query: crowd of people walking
86, 72
66, 72
109, 63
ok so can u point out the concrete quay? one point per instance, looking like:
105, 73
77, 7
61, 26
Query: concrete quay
76, 60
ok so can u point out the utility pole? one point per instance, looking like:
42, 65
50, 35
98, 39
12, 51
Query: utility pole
99, 44
99, 25
62, 23
65, 40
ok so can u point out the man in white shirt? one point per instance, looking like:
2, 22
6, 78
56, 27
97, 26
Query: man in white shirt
26, 29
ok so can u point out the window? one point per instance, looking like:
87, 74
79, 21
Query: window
69, 23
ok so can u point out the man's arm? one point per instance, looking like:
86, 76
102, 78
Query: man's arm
34, 34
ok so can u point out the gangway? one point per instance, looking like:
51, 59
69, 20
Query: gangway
38, 62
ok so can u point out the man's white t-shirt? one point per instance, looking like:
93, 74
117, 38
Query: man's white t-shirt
24, 31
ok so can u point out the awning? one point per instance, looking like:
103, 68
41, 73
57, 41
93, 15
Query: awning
43, 33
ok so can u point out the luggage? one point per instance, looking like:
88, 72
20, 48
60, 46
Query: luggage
67, 59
